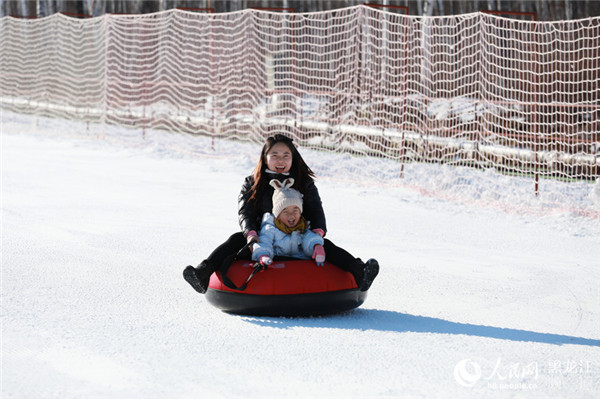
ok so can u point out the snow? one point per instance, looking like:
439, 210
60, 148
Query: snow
472, 300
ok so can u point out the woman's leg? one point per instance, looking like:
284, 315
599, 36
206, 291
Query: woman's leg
342, 258
364, 273
199, 277
230, 247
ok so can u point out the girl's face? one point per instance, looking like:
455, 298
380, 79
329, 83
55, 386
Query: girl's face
290, 216
279, 158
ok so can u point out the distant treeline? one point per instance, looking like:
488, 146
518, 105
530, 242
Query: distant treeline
541, 10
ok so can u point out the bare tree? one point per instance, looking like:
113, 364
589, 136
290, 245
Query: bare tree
545, 10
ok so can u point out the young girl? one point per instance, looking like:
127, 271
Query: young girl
279, 160
285, 232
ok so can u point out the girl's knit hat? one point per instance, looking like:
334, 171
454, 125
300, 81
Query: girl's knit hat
284, 195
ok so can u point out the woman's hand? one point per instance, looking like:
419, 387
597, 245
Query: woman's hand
319, 232
252, 236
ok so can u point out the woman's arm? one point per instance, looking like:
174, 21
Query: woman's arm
313, 208
246, 210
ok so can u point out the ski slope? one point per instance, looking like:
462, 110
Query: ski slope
471, 301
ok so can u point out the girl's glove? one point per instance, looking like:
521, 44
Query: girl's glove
319, 255
265, 260
252, 236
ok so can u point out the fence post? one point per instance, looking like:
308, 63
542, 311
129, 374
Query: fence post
535, 102
104, 104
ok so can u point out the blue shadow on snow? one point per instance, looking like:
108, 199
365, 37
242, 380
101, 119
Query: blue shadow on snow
385, 320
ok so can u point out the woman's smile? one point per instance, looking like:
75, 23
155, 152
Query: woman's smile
279, 158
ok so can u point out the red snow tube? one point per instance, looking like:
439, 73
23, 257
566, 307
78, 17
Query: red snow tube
285, 288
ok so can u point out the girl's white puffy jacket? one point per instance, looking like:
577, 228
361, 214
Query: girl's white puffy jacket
274, 242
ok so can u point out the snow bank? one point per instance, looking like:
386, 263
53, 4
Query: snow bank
472, 300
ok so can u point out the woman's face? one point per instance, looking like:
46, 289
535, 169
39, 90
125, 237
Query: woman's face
279, 158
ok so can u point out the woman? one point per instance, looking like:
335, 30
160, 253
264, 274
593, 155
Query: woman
279, 160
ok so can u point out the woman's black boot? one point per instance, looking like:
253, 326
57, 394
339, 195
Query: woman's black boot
369, 273
199, 277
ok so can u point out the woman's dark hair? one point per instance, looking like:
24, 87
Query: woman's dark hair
299, 169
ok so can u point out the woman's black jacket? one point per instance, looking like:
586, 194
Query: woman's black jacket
251, 211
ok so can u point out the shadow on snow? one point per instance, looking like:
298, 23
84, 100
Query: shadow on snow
385, 320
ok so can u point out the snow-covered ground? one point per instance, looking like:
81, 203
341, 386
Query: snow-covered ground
472, 300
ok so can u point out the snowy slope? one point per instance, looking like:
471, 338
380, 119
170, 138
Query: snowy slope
471, 301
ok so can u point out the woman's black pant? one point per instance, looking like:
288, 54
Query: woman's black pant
231, 248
